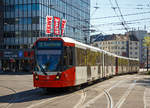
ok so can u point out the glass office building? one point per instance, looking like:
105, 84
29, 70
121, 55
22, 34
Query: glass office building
25, 20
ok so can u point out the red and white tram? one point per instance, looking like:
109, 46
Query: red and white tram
63, 62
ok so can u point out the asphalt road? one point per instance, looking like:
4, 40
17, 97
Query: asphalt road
126, 91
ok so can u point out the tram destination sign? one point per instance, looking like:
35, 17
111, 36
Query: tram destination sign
49, 44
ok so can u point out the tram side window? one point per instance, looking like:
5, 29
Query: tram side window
106, 63
98, 58
81, 57
68, 56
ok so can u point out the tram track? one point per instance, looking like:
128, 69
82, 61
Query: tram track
83, 102
13, 98
110, 103
109, 99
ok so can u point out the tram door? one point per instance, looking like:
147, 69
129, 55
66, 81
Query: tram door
103, 66
116, 65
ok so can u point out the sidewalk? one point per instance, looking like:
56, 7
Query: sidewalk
143, 71
15, 73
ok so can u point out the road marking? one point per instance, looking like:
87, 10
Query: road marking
10, 103
90, 102
146, 98
48, 100
37, 104
123, 98
82, 99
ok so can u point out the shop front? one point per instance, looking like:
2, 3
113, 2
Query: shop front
17, 60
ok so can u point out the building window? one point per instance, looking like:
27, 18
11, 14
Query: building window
136, 43
123, 48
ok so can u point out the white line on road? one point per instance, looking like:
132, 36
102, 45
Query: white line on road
146, 98
47, 100
82, 99
40, 103
123, 98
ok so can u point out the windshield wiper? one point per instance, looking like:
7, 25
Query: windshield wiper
42, 70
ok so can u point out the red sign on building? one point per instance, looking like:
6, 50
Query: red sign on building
63, 26
49, 20
56, 26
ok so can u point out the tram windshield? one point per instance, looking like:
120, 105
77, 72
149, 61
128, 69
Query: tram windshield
52, 56
49, 60
49, 56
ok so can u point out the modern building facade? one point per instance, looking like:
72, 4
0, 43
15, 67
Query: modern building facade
23, 21
140, 34
122, 45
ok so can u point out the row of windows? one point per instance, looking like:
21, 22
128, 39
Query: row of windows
134, 48
123, 62
117, 42
20, 41
16, 28
135, 53
21, 14
35, 33
22, 34
24, 7
136, 43
24, 20
44, 10
12, 2
90, 58
114, 42
75, 3
131, 53
113, 47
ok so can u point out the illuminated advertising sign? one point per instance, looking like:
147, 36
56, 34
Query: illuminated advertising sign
49, 20
59, 25
56, 25
63, 26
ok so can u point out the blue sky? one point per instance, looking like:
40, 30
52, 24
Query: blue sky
113, 24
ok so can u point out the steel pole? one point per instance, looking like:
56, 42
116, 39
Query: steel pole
147, 58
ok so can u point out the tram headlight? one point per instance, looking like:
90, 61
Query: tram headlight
36, 77
58, 76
